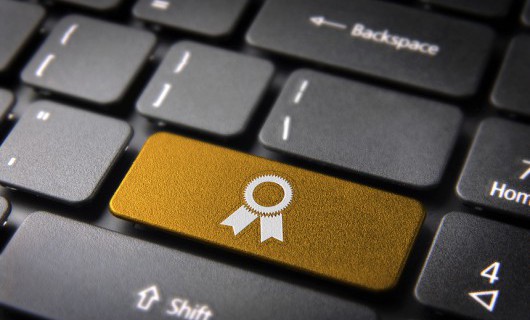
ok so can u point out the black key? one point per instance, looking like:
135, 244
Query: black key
526, 14
511, 89
18, 22
380, 39
102, 5
5, 209
497, 170
366, 129
89, 59
485, 8
61, 152
6, 101
60, 269
477, 268
206, 88
214, 18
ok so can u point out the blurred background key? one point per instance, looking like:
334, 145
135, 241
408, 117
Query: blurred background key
89, 59
18, 22
212, 18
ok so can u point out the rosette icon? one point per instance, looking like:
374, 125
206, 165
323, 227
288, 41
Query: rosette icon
270, 217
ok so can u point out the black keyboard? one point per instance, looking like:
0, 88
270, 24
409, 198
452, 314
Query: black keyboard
266, 159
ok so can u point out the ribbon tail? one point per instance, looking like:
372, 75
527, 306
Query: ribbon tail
239, 220
271, 227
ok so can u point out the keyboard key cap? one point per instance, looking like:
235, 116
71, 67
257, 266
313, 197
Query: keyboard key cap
511, 90
369, 130
497, 170
307, 221
102, 5
214, 18
380, 39
477, 268
89, 59
485, 8
6, 101
206, 88
140, 280
5, 209
61, 152
18, 22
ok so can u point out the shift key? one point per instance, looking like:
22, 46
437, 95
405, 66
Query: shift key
290, 216
384, 40
57, 268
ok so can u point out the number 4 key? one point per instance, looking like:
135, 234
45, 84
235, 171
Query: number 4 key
477, 268
491, 272
488, 298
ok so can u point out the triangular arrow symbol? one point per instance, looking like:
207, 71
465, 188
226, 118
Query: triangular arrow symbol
318, 21
480, 297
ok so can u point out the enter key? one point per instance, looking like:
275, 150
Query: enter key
294, 217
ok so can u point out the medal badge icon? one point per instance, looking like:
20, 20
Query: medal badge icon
271, 219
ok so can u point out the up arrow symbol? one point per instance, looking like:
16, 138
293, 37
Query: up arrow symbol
480, 297
148, 297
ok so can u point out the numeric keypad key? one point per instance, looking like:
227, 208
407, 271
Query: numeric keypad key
497, 170
477, 268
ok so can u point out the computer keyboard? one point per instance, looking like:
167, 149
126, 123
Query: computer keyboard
266, 159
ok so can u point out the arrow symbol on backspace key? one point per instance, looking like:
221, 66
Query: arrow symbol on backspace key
320, 21
147, 298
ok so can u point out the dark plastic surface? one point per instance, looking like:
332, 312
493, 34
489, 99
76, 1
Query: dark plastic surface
60, 152
399, 304
18, 22
486, 8
497, 169
6, 101
511, 89
5, 209
112, 276
213, 18
478, 268
297, 28
206, 88
89, 59
526, 14
102, 5
381, 133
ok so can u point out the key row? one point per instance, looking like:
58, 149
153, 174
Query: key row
97, 61
164, 11
139, 279
53, 148
65, 153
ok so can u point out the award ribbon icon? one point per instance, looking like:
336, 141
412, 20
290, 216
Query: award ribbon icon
271, 223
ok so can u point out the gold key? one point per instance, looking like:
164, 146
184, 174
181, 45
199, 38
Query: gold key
291, 216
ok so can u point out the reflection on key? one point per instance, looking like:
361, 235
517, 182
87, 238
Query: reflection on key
301, 219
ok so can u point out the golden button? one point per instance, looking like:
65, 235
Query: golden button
298, 218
